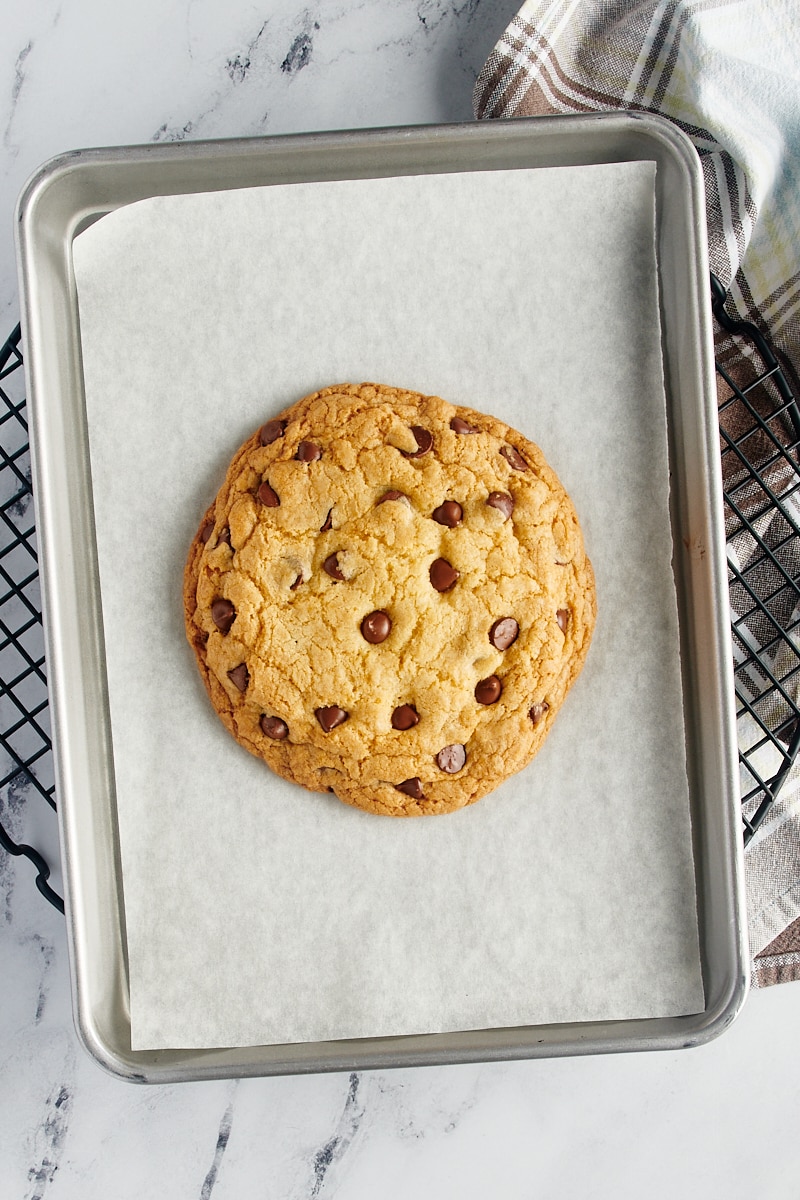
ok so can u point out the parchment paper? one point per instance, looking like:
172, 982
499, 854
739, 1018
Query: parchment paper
257, 912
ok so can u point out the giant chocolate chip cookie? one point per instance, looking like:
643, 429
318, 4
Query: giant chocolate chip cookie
389, 599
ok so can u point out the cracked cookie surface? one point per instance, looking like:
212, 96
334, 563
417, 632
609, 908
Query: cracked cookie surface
389, 599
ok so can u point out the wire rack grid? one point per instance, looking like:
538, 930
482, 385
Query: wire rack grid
759, 441
759, 424
26, 759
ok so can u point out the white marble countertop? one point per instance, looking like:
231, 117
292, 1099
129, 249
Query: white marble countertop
716, 1121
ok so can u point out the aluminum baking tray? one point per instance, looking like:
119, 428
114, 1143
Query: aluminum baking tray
70, 192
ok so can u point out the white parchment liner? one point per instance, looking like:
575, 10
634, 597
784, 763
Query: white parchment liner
257, 912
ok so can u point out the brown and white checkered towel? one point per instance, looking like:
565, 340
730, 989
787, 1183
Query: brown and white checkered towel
727, 72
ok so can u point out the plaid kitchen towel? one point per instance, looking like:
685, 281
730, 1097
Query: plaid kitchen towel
727, 72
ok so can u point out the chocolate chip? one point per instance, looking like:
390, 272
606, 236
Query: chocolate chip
503, 633
513, 456
223, 614
502, 502
225, 536
331, 566
330, 717
324, 528
442, 575
449, 513
240, 677
270, 432
294, 586
451, 758
424, 439
538, 711
392, 495
405, 717
488, 691
562, 616
274, 727
412, 788
376, 627
308, 452
460, 426
206, 532
267, 496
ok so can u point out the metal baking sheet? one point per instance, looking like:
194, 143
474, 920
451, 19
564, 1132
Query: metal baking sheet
62, 199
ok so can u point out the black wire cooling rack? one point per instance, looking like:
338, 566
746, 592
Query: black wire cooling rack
759, 441
759, 425
26, 757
